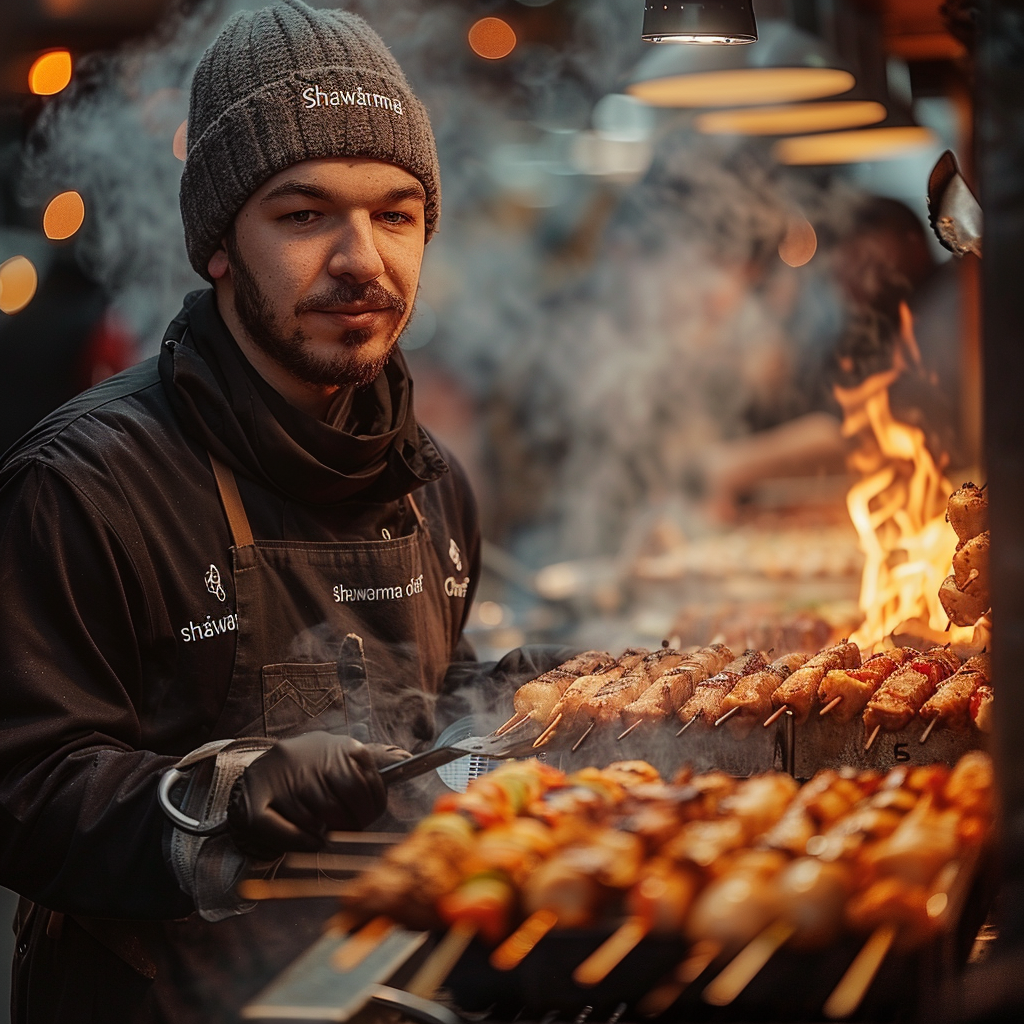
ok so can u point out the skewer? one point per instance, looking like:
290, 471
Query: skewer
611, 952
579, 742
871, 738
340, 924
623, 735
728, 715
362, 943
659, 999
522, 721
688, 724
830, 705
504, 727
548, 732
928, 730
775, 715
522, 941
743, 968
290, 888
429, 978
853, 985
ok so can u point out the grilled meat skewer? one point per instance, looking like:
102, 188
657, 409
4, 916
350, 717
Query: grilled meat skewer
857, 686
577, 692
675, 687
708, 694
798, 690
951, 702
537, 698
607, 703
751, 697
903, 694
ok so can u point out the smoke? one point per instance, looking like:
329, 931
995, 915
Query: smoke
609, 325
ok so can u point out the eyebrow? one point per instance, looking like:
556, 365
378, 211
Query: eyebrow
414, 191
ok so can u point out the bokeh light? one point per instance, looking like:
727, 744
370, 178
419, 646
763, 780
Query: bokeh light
799, 244
180, 143
853, 147
791, 119
742, 87
63, 215
492, 38
490, 613
18, 281
50, 73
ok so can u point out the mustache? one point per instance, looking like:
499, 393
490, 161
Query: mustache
370, 294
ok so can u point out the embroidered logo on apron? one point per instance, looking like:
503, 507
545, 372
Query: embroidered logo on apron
214, 584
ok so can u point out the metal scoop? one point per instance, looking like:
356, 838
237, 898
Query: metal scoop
954, 213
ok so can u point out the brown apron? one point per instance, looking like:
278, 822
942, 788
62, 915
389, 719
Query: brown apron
348, 637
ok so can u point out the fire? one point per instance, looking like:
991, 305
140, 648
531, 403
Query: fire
898, 508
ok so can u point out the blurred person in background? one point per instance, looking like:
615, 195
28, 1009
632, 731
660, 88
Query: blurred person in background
243, 557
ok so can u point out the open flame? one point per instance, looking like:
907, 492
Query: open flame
898, 508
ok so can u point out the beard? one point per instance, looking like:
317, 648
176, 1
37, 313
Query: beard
292, 350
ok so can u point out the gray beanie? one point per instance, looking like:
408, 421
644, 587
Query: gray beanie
285, 84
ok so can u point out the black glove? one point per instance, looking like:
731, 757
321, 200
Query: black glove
304, 786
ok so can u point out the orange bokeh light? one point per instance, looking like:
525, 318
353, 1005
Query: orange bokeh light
50, 72
179, 144
492, 38
18, 281
64, 215
800, 243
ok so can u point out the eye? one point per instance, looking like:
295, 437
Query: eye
302, 216
395, 217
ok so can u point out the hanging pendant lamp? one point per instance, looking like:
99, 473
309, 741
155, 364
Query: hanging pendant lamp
713, 21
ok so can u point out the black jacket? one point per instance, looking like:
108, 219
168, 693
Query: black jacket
114, 656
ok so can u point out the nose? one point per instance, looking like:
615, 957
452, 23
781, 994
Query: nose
355, 252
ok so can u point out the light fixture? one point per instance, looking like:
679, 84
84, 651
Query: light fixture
785, 65
886, 142
791, 118
711, 21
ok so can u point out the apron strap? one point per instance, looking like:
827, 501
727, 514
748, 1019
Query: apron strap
227, 486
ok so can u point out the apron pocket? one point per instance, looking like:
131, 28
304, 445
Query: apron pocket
301, 698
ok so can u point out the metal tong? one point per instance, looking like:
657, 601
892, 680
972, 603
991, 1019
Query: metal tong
498, 747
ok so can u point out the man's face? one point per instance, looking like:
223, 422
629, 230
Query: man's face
321, 267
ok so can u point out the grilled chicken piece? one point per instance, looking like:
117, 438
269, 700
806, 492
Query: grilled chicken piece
537, 697
799, 689
937, 664
607, 704
970, 563
675, 687
951, 702
752, 694
897, 700
964, 607
708, 694
856, 686
585, 686
981, 708
967, 511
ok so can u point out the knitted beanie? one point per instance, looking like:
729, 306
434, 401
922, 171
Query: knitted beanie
290, 83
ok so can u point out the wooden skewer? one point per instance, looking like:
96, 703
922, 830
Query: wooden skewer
743, 968
521, 942
688, 724
871, 738
623, 735
830, 705
659, 999
504, 728
362, 943
854, 984
525, 720
291, 888
430, 977
579, 742
775, 715
928, 730
728, 715
611, 952
548, 732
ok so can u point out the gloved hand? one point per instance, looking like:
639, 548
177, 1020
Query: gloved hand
304, 786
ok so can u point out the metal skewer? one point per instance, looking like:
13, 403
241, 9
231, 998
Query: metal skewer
521, 942
548, 732
362, 943
728, 715
623, 735
854, 984
775, 715
928, 730
872, 737
579, 742
830, 705
743, 968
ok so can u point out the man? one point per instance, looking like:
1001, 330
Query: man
246, 537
